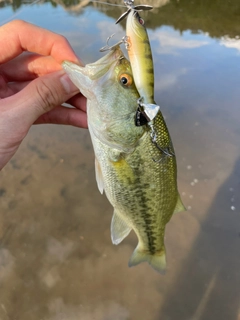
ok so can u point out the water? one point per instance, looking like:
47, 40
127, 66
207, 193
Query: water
56, 257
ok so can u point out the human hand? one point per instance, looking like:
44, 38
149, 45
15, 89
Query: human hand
33, 85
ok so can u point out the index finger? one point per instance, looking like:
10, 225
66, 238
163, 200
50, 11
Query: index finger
18, 36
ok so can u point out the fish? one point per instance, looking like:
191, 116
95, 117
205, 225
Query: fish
138, 178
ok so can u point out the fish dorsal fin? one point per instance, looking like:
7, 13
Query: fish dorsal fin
99, 176
119, 229
179, 206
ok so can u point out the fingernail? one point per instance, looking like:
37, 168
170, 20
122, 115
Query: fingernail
68, 84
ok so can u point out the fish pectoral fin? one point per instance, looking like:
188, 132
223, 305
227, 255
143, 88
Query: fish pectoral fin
119, 229
99, 176
157, 260
114, 154
179, 206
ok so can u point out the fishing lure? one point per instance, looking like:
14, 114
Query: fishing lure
140, 55
130, 6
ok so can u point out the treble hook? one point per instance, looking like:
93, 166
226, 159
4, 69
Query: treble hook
165, 151
107, 47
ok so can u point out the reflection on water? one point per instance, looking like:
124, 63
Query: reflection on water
209, 276
56, 257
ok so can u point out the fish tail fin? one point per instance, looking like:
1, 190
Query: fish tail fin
157, 260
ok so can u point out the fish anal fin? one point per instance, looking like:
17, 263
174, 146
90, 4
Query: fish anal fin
119, 229
179, 206
99, 176
157, 260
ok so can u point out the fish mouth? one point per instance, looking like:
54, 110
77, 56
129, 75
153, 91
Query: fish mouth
105, 63
101, 70
114, 54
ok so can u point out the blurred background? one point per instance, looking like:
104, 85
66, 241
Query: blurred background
57, 261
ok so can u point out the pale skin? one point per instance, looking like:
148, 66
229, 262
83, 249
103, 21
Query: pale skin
33, 85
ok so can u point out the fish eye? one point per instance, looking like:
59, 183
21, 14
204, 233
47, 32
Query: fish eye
125, 79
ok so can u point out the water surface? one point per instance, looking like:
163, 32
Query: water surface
56, 257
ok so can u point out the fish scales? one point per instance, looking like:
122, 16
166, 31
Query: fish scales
138, 178
135, 199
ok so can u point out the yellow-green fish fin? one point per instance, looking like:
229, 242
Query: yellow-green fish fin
157, 260
179, 206
119, 229
99, 176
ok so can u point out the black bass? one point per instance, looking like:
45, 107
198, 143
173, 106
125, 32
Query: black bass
139, 179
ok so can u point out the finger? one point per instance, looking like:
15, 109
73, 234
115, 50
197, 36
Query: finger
15, 87
38, 97
19, 36
64, 115
28, 66
5, 91
78, 101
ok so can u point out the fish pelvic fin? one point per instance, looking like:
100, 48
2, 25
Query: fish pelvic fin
179, 205
99, 176
157, 260
120, 229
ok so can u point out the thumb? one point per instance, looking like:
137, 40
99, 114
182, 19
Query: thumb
43, 94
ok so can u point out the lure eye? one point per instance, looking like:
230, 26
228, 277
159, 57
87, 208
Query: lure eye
125, 79
141, 21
